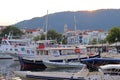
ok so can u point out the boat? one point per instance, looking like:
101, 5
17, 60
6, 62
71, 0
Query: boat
49, 49
110, 72
49, 75
93, 64
16, 47
5, 56
53, 54
63, 64
111, 69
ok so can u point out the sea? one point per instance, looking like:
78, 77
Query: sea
8, 66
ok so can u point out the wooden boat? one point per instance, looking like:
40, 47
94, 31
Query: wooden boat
48, 75
37, 63
53, 52
94, 63
63, 64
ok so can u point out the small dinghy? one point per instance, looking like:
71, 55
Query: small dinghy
63, 64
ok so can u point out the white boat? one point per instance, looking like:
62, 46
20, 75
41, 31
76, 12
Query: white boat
111, 69
52, 52
5, 56
110, 72
15, 47
63, 64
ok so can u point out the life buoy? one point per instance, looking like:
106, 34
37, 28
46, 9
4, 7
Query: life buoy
77, 50
90, 54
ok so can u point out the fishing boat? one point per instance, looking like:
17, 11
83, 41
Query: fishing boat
48, 49
53, 54
16, 47
93, 64
63, 64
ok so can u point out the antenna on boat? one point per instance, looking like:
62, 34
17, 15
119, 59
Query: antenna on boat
10, 35
46, 25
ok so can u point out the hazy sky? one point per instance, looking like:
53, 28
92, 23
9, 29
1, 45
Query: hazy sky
13, 11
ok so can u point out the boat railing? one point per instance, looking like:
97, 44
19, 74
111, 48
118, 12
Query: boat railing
112, 71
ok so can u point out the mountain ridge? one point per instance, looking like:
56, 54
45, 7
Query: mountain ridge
85, 20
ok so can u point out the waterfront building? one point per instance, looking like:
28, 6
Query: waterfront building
84, 37
30, 33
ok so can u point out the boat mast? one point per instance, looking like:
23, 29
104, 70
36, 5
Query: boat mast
76, 40
75, 24
46, 25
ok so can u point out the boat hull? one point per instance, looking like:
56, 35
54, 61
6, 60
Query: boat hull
49, 64
31, 64
5, 56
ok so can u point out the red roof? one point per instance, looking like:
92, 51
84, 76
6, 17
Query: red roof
31, 30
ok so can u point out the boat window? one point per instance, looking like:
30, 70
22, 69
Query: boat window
56, 53
22, 49
46, 53
28, 51
5, 43
32, 51
112, 70
10, 49
16, 49
37, 53
118, 70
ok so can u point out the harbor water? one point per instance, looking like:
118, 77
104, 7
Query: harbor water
7, 66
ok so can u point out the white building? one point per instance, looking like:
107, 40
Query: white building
84, 37
33, 32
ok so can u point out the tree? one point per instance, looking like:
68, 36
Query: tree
11, 29
102, 41
113, 35
94, 41
36, 38
52, 35
64, 41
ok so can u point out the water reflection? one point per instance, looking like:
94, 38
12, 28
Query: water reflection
7, 66
73, 70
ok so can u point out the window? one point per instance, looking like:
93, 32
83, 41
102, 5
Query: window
16, 49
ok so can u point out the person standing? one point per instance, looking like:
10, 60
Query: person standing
77, 51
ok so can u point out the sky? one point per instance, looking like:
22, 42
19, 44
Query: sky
13, 11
